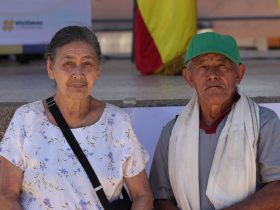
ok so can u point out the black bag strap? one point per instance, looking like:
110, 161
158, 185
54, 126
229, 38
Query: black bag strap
62, 124
125, 194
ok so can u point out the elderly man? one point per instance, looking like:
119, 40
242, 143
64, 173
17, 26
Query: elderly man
223, 150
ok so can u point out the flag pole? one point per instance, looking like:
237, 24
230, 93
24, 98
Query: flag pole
133, 31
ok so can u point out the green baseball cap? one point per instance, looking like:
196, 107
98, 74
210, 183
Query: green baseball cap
211, 42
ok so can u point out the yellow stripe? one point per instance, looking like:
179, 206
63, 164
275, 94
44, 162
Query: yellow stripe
10, 49
278, 3
171, 24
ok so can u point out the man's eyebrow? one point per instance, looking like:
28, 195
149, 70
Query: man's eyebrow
84, 57
201, 60
223, 59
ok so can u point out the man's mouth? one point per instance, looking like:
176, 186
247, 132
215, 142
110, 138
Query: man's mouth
77, 85
213, 86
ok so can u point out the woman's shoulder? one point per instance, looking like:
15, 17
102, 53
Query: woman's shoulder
114, 108
28, 113
116, 111
32, 108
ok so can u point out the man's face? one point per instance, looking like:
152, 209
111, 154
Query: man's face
214, 77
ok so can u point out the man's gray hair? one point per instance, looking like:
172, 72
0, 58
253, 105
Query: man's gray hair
188, 65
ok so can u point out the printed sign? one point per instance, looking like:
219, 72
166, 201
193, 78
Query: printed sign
32, 22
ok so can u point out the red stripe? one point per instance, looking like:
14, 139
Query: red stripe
147, 57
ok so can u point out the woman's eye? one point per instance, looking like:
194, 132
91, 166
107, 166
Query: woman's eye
88, 64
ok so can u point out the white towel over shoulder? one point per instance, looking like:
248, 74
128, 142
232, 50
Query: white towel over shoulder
232, 176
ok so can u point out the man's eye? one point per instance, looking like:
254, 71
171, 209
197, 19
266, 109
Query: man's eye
202, 68
222, 67
68, 63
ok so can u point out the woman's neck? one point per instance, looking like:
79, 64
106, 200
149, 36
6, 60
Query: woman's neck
75, 112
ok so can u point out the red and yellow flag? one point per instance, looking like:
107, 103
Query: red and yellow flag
163, 29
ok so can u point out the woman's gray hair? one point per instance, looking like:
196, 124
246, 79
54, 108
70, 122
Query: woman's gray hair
71, 34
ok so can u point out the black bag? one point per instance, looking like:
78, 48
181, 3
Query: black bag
119, 204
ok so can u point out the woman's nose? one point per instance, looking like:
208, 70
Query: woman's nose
77, 71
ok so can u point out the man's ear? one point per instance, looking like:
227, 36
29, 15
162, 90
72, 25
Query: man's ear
187, 76
241, 72
50, 68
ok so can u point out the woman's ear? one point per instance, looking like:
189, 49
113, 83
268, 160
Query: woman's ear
98, 71
50, 68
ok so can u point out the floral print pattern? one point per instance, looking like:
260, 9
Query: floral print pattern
53, 177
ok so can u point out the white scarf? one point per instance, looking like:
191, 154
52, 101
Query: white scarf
232, 176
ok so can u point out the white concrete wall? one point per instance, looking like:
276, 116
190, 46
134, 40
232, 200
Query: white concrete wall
149, 121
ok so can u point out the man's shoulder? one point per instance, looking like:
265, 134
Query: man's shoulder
170, 124
267, 115
166, 132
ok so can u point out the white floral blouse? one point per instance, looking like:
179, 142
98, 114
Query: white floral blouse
53, 177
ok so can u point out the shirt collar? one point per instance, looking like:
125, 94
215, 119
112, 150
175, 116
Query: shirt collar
212, 128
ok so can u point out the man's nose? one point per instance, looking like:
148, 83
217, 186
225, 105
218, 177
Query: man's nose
213, 73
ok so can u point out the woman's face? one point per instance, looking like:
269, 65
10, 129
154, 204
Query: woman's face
75, 69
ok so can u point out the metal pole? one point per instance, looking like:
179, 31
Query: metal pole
133, 31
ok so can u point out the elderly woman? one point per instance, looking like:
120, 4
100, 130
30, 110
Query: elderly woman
38, 169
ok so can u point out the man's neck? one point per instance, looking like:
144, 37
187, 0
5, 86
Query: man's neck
209, 113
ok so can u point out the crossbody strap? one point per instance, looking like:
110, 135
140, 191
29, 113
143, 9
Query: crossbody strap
62, 124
